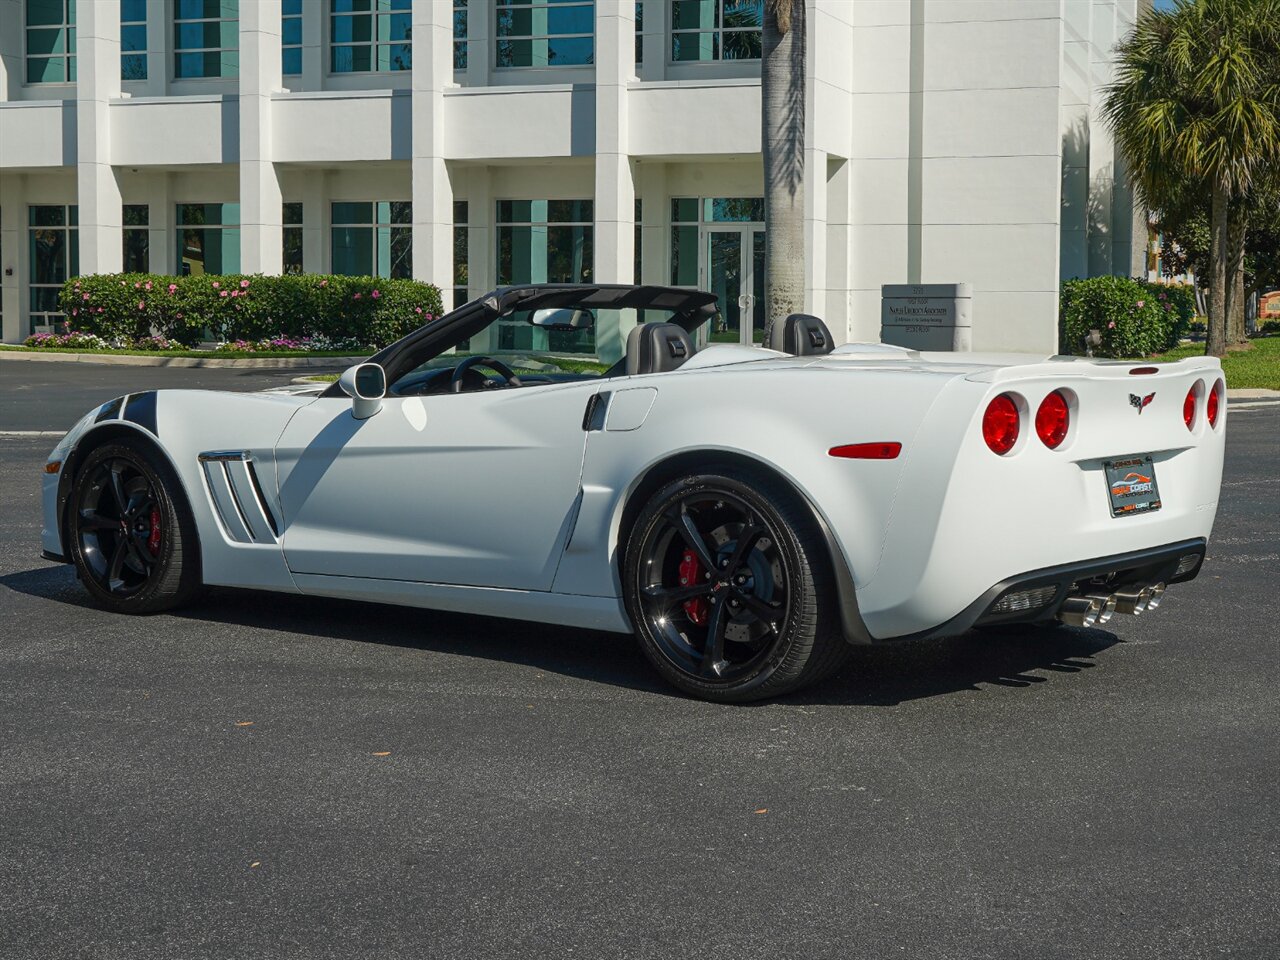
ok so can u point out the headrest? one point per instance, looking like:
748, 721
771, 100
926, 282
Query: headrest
657, 348
802, 335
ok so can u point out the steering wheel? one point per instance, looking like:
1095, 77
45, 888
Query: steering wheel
497, 366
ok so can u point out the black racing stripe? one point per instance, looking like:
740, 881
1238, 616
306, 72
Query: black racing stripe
109, 410
141, 409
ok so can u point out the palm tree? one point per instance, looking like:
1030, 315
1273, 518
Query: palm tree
1196, 102
782, 97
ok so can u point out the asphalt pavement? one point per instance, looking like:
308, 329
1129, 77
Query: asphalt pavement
275, 776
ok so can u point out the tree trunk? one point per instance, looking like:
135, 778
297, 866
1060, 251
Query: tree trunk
1219, 255
783, 126
1236, 235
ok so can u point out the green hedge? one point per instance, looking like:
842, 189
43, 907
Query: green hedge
128, 307
1135, 318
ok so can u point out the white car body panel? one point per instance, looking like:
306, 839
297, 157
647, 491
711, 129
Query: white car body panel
509, 503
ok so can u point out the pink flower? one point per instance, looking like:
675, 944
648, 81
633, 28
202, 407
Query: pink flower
324, 283
1141, 303
417, 309
179, 316
99, 309
376, 294
234, 294
85, 297
1111, 325
75, 313
243, 284
356, 297
141, 305
215, 284
76, 287
222, 293
147, 285
173, 288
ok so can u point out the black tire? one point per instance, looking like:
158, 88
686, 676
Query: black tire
130, 530
772, 600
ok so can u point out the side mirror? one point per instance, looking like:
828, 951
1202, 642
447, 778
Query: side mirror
366, 385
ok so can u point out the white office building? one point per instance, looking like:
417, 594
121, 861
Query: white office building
473, 143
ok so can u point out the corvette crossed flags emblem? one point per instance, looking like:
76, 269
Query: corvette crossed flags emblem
1140, 403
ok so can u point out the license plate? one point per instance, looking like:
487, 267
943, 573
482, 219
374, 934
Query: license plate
1131, 485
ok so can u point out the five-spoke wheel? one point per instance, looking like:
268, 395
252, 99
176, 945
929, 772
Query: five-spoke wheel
131, 535
722, 573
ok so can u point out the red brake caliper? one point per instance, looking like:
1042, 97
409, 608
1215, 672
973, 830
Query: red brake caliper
153, 540
691, 572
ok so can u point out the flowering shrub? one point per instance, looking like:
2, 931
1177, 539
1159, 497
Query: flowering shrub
347, 311
349, 344
156, 343
1135, 318
76, 340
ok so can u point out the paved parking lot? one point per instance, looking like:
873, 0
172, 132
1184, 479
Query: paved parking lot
283, 777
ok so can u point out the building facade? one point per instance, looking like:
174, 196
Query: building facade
473, 143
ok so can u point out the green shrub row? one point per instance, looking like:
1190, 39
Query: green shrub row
128, 307
1134, 318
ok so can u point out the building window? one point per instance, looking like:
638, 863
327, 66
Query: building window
373, 239
206, 38
292, 259
55, 256
459, 34
210, 238
133, 39
688, 213
639, 32
461, 275
137, 240
704, 30
370, 36
545, 33
544, 241
291, 37
51, 41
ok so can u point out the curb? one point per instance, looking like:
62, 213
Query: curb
1253, 393
276, 363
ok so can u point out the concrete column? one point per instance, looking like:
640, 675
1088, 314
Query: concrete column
13, 267
615, 192
159, 51
98, 72
651, 179
655, 40
11, 65
479, 44
261, 214
481, 246
163, 241
1101, 148
315, 222
432, 190
313, 50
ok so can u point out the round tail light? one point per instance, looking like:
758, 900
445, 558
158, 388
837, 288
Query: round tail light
1216, 398
1000, 424
1053, 419
1189, 406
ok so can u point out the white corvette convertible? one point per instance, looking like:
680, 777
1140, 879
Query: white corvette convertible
748, 512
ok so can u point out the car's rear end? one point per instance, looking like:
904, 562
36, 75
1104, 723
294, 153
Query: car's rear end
1076, 489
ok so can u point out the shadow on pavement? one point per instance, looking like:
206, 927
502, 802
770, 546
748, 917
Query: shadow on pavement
873, 676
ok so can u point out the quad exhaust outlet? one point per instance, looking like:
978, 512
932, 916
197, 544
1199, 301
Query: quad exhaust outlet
1095, 609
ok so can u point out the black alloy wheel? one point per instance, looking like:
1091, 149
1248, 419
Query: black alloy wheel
723, 576
131, 532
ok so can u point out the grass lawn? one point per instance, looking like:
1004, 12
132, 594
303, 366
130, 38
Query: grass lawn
206, 354
1257, 365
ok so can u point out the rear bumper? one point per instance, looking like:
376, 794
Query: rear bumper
1134, 569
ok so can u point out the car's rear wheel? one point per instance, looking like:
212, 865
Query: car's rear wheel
729, 587
132, 537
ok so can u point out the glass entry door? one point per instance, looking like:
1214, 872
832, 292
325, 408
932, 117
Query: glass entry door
734, 272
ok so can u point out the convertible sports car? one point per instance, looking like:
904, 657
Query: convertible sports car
748, 511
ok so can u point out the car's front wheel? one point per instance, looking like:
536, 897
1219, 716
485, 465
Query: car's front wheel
729, 588
131, 533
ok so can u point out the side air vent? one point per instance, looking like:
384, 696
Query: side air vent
238, 498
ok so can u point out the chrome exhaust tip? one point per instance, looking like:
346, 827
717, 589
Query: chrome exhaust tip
1132, 602
1154, 594
1080, 611
1106, 606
